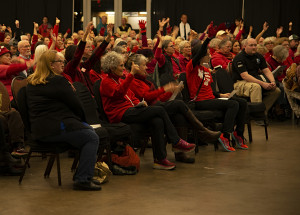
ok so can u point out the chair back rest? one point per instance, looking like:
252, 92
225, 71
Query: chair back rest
23, 109
185, 91
88, 103
17, 83
224, 81
98, 99
5, 101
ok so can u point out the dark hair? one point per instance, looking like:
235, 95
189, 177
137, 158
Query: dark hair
70, 52
38, 43
5, 45
148, 53
196, 49
233, 42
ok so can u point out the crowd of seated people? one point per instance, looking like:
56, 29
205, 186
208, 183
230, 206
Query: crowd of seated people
140, 84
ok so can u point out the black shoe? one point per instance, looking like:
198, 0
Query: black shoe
96, 182
182, 157
88, 186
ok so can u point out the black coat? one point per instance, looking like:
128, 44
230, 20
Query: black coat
54, 108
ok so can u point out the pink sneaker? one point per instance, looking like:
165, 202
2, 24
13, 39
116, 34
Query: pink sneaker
183, 146
163, 164
240, 144
225, 144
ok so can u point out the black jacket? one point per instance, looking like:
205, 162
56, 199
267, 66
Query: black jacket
54, 108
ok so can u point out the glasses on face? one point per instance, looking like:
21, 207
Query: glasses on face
26, 47
58, 61
172, 46
269, 43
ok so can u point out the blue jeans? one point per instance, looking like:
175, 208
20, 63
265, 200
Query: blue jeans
87, 141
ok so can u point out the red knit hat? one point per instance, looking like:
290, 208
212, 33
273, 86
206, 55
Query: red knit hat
3, 50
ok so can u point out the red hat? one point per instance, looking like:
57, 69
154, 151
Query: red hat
3, 50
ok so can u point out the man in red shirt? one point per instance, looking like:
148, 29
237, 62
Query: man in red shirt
45, 28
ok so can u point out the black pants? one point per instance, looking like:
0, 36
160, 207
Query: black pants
176, 110
235, 112
160, 123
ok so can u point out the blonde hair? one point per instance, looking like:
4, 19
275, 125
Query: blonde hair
43, 68
269, 39
40, 49
261, 49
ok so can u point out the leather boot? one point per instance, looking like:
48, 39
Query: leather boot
205, 134
181, 156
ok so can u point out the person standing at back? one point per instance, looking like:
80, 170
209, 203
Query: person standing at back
184, 27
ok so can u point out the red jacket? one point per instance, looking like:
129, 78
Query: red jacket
7, 72
144, 89
80, 72
297, 59
183, 62
219, 58
194, 81
95, 76
116, 96
44, 30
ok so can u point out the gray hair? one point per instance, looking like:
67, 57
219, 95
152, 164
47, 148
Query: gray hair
136, 59
214, 43
133, 43
118, 49
223, 43
280, 52
182, 44
111, 61
165, 44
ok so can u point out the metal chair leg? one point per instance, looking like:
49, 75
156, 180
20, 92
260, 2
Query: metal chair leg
25, 166
249, 131
58, 169
266, 130
49, 166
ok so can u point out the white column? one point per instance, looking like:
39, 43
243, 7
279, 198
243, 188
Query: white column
118, 13
87, 8
148, 9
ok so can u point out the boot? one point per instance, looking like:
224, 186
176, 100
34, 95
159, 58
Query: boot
7, 159
181, 156
206, 134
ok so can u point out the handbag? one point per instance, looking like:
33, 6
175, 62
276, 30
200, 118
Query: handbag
102, 172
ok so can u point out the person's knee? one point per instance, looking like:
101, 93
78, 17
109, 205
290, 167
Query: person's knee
92, 136
157, 123
255, 87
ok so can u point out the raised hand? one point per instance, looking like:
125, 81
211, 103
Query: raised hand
142, 24
279, 31
35, 25
212, 30
265, 26
57, 21
250, 29
3, 28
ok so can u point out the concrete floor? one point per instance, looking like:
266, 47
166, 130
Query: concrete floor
263, 180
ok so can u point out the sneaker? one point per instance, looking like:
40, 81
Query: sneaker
183, 146
225, 144
239, 141
163, 164
19, 152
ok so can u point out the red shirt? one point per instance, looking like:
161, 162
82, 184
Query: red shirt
144, 89
297, 59
219, 58
7, 72
183, 62
95, 76
116, 96
194, 81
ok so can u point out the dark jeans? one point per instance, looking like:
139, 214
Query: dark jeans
176, 110
231, 109
160, 123
87, 141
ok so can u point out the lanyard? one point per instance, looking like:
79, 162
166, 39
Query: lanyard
125, 94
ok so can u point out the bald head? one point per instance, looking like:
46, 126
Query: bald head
250, 46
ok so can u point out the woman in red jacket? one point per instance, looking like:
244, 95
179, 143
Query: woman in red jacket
177, 110
235, 111
120, 104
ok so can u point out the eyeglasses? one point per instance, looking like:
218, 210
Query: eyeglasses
172, 46
26, 47
59, 61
